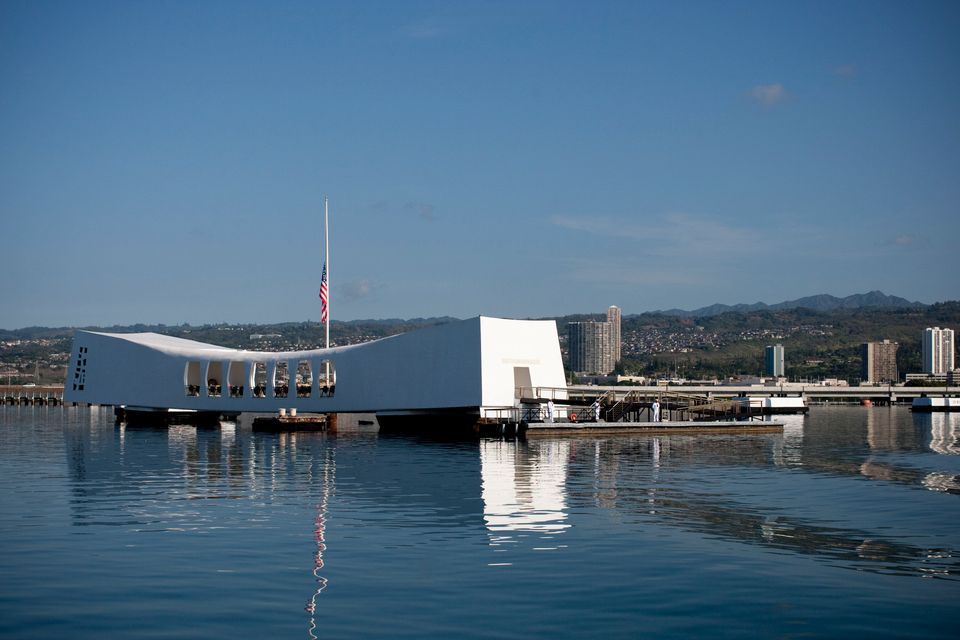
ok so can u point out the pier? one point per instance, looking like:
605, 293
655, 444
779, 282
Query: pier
597, 411
812, 393
582, 404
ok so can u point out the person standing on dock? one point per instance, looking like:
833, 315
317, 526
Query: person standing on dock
655, 407
596, 410
549, 410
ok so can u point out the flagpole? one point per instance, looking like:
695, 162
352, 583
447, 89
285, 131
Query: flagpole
326, 261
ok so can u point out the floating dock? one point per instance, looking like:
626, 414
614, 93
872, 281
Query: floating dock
303, 422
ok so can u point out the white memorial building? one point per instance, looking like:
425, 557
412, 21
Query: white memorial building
474, 368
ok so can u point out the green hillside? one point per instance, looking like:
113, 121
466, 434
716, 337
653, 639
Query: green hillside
817, 344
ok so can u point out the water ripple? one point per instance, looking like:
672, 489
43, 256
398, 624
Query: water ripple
223, 532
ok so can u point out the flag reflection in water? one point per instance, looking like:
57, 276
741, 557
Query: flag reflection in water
524, 489
319, 535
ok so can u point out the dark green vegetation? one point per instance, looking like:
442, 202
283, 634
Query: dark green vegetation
818, 344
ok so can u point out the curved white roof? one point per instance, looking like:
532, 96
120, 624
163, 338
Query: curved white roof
174, 346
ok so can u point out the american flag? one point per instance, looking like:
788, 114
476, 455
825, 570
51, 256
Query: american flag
323, 294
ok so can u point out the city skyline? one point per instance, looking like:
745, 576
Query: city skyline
166, 163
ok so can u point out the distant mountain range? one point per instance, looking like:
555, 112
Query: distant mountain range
822, 302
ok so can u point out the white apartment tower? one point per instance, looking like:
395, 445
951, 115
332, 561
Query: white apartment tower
613, 317
773, 360
938, 349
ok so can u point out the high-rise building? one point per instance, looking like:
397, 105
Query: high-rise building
595, 346
613, 317
938, 349
879, 362
773, 360
591, 347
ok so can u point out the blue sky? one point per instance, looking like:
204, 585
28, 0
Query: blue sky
166, 161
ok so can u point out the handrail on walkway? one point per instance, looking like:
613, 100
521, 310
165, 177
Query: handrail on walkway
616, 406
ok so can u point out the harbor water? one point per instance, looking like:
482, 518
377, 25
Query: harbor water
845, 525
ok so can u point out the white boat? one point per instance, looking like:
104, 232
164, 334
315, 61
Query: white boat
774, 404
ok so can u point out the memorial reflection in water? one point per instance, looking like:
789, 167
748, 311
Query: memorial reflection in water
524, 490
530, 488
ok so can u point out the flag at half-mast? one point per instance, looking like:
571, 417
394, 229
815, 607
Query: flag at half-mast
323, 294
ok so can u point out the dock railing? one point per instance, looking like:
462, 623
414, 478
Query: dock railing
501, 414
618, 405
541, 394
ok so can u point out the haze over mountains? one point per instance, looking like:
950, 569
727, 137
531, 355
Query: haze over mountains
822, 302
